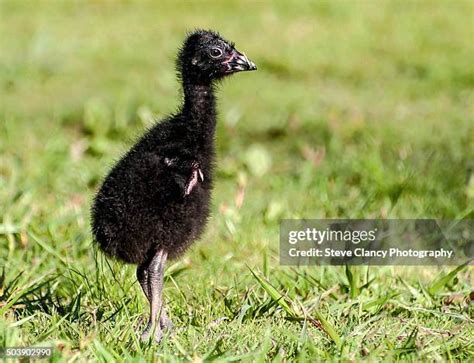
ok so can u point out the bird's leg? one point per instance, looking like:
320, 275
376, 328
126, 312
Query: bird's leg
155, 272
196, 176
142, 277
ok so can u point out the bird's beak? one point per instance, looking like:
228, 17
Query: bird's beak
239, 62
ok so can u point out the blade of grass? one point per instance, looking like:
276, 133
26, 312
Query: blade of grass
443, 279
48, 248
352, 277
275, 295
280, 299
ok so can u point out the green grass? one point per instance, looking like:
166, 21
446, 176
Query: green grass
359, 109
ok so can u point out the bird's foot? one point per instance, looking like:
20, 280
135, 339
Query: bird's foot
164, 324
158, 333
196, 176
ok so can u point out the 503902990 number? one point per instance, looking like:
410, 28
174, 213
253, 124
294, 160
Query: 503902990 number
25, 352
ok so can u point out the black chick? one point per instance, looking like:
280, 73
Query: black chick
155, 201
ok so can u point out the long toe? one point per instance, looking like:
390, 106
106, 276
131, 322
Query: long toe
146, 333
158, 335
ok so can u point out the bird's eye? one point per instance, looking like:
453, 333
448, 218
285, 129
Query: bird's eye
215, 52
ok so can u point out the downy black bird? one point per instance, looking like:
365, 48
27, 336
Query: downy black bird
155, 201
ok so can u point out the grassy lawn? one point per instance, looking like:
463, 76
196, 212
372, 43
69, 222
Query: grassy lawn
359, 109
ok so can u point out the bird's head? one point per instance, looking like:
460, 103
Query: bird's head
206, 56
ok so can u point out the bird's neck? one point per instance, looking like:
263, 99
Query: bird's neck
200, 106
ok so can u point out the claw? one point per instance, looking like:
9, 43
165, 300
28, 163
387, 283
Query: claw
195, 177
191, 183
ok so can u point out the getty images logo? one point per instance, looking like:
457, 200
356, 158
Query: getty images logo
327, 235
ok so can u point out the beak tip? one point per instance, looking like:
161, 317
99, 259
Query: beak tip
251, 66
239, 62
